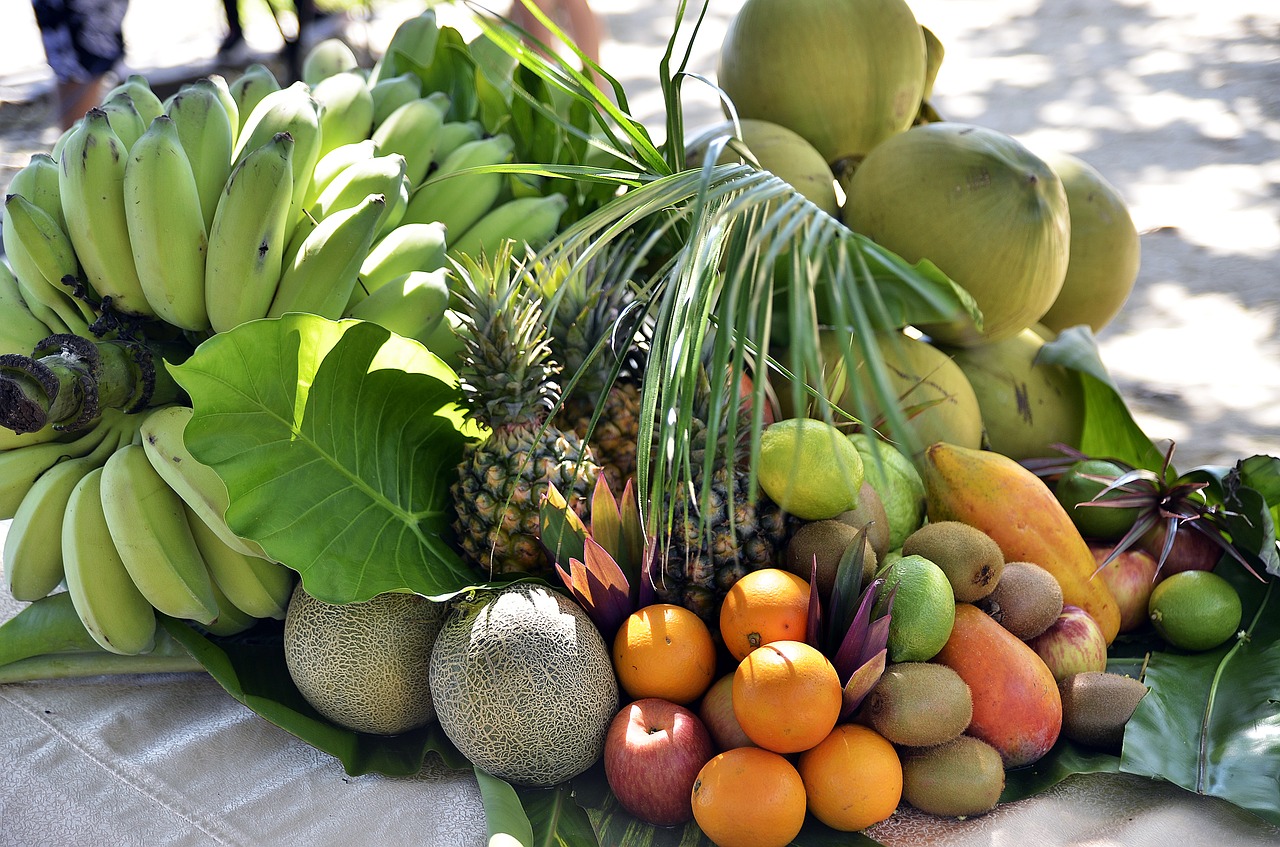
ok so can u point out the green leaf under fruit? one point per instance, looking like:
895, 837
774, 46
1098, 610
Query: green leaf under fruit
337, 441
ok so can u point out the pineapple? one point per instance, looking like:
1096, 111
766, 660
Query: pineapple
508, 380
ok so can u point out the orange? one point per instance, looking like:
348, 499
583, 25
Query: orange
763, 606
664, 651
786, 696
748, 797
853, 778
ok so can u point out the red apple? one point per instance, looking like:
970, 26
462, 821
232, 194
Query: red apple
1192, 550
716, 711
652, 754
1130, 576
1072, 644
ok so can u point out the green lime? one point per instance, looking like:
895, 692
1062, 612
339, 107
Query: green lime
1195, 610
1102, 522
924, 609
898, 483
809, 468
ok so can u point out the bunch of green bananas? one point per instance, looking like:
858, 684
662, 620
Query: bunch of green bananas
159, 223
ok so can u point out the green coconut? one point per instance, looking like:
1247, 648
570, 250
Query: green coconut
1027, 406
1104, 255
980, 206
845, 74
776, 149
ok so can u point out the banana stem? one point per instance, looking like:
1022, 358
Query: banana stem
75, 665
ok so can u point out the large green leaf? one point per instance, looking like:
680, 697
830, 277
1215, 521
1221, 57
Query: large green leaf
337, 441
1211, 721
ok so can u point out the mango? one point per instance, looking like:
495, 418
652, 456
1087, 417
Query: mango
1018, 510
1017, 707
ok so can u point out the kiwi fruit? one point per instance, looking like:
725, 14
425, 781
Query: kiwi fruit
870, 513
919, 704
1096, 706
964, 776
969, 557
827, 541
1026, 601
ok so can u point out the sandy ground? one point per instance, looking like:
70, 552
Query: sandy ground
1176, 102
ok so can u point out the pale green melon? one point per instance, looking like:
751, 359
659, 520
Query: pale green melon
523, 684
782, 152
365, 665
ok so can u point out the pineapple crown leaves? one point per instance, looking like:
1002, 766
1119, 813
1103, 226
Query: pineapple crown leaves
607, 568
507, 371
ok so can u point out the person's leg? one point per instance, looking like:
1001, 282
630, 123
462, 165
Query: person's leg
575, 17
235, 29
83, 42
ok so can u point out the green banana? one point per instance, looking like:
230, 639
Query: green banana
125, 119
413, 44
21, 467
333, 163
21, 329
143, 97
295, 111
222, 88
91, 185
41, 255
413, 131
33, 560
456, 199
166, 225
37, 181
393, 92
197, 484
408, 247
411, 305
257, 587
327, 58
230, 620
149, 528
383, 174
528, 221
324, 271
102, 591
456, 133
205, 131
346, 110
247, 239
248, 89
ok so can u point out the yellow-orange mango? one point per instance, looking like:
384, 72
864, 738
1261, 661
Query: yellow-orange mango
1017, 509
1016, 705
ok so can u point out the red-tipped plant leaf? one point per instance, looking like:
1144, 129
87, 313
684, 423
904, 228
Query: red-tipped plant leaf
813, 620
861, 682
562, 532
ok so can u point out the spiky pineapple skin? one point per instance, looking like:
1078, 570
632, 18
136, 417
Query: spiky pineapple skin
613, 441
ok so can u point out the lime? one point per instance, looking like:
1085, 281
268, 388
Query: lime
1195, 610
898, 483
809, 468
924, 609
1103, 522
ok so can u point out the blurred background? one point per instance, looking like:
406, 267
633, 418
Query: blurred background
1175, 102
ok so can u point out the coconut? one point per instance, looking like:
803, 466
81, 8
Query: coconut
778, 150
980, 206
1104, 255
844, 74
1027, 406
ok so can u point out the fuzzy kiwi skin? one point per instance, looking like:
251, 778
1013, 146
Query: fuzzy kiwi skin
963, 777
969, 557
1026, 601
827, 540
1096, 706
919, 704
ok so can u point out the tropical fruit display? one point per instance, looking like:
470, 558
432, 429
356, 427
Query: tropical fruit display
432, 408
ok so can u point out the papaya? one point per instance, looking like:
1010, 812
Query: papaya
1017, 708
1018, 510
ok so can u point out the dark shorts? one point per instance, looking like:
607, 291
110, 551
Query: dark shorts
83, 39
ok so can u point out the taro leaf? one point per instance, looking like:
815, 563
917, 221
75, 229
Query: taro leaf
251, 668
1211, 721
556, 818
1064, 760
505, 819
1249, 514
1109, 428
337, 441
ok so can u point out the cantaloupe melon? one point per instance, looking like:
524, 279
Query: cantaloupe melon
364, 665
523, 684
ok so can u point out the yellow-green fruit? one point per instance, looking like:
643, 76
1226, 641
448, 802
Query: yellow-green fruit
523, 684
809, 468
365, 665
845, 74
1105, 251
780, 151
1027, 406
979, 205
932, 392
898, 483
924, 609
869, 514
